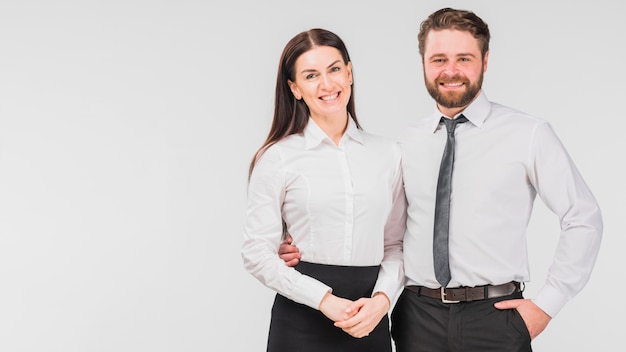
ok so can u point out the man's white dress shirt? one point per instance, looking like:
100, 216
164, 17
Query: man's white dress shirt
503, 159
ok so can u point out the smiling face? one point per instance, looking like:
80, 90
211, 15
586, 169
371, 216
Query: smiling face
453, 69
324, 81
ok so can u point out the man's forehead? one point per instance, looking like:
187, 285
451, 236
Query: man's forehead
451, 42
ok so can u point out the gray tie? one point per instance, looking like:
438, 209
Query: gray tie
442, 205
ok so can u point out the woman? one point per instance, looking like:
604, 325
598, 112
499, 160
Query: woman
338, 192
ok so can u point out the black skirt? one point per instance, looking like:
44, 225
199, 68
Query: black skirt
297, 327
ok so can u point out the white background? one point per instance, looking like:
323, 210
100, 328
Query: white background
126, 129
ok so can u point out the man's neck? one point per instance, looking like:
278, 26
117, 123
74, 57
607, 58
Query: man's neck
450, 112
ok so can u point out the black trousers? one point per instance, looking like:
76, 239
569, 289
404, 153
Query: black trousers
297, 327
424, 324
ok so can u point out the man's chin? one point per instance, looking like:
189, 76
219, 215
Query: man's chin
453, 101
450, 104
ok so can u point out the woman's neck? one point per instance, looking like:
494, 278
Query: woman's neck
333, 126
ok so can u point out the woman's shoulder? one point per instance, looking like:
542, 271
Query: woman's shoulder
379, 140
277, 149
382, 146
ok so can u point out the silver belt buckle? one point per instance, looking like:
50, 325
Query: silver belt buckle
443, 297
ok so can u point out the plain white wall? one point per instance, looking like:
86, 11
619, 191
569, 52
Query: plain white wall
126, 129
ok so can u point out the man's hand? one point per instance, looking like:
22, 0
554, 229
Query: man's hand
535, 318
289, 252
369, 312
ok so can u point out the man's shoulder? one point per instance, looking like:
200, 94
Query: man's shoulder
513, 114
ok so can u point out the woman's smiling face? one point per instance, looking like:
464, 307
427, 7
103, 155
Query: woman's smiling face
324, 81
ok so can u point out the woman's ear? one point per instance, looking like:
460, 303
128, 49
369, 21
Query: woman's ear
294, 90
350, 71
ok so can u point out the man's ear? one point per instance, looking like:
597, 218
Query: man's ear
485, 61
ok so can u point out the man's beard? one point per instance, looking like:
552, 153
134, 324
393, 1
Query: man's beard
449, 99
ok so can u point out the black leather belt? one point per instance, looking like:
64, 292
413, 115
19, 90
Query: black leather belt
465, 293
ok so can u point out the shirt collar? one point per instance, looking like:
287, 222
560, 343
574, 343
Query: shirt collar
476, 112
314, 135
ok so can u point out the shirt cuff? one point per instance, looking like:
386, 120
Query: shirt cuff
550, 300
310, 292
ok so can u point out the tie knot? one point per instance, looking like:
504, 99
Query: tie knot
451, 124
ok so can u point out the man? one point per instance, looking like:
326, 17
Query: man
503, 158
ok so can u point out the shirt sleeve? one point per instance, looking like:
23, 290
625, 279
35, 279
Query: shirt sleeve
391, 275
263, 233
563, 190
